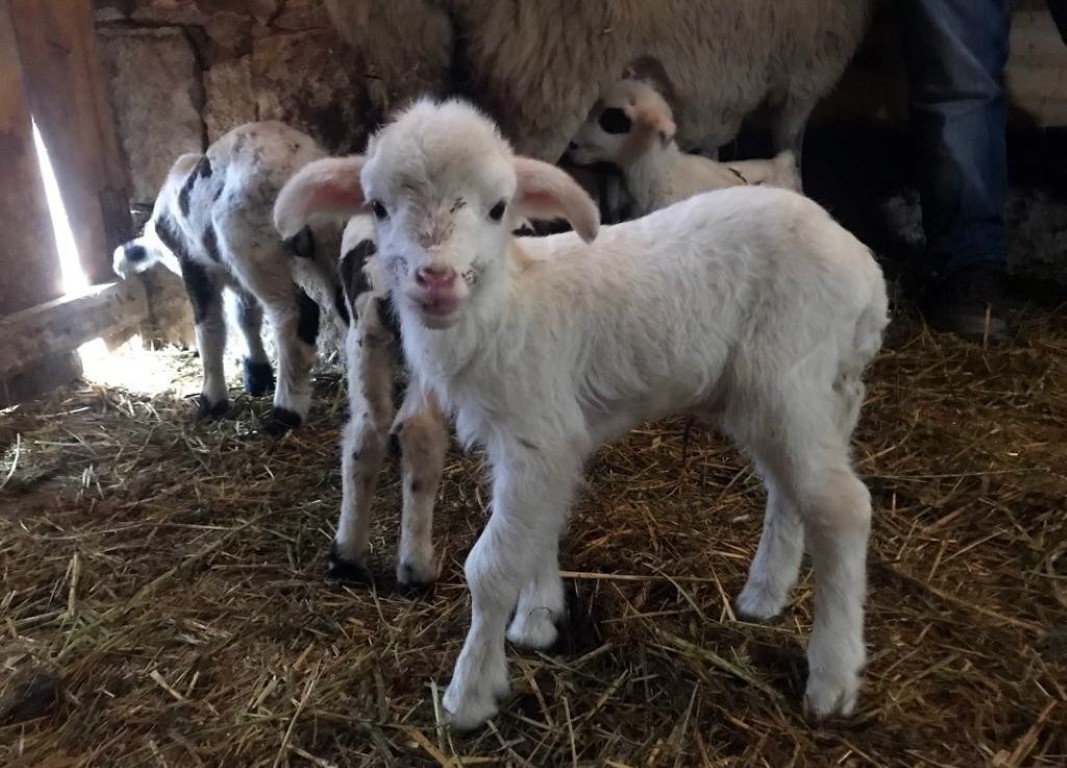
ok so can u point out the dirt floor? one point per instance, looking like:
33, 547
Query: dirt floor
164, 602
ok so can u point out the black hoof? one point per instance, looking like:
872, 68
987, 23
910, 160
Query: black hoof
408, 586
206, 410
345, 571
569, 626
258, 377
282, 420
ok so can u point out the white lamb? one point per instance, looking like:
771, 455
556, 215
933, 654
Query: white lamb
632, 127
749, 307
212, 225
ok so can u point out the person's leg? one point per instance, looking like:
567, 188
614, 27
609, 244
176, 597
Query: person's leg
956, 53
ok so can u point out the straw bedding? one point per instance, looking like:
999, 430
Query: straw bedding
163, 600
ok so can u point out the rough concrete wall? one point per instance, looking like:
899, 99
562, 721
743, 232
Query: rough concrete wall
183, 72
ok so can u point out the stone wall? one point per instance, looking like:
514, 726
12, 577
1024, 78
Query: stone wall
183, 72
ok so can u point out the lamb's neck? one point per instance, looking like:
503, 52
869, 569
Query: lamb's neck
648, 174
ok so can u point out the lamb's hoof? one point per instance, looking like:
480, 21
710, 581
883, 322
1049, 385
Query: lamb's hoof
829, 695
207, 410
282, 420
258, 377
471, 711
346, 571
415, 578
758, 604
537, 631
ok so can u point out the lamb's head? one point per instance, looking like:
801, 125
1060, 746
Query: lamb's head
446, 191
629, 119
159, 241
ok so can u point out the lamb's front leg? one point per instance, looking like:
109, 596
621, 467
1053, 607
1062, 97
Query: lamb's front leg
531, 497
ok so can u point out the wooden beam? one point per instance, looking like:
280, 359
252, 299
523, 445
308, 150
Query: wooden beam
63, 325
67, 93
29, 265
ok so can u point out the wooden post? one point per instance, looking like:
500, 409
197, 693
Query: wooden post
67, 96
29, 266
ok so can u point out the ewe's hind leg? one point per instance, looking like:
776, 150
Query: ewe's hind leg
258, 376
205, 294
366, 436
423, 436
775, 568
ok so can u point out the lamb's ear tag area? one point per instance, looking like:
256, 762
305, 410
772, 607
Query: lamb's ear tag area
614, 121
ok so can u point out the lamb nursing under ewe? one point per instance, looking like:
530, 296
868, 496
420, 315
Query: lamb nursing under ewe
748, 307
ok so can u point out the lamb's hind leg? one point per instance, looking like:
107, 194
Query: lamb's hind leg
776, 565
258, 376
807, 454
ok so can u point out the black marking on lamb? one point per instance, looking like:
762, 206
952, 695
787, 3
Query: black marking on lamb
200, 287
211, 244
457, 204
169, 234
353, 278
134, 253
738, 174
340, 305
307, 324
614, 120
302, 244
201, 171
258, 377
415, 486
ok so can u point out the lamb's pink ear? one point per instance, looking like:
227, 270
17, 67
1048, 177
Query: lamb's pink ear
327, 187
546, 192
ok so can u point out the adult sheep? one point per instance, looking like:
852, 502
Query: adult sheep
538, 68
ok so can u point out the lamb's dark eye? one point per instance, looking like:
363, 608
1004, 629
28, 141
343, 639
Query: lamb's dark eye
614, 120
496, 213
379, 210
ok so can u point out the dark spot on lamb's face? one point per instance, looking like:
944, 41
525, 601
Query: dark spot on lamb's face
211, 244
613, 120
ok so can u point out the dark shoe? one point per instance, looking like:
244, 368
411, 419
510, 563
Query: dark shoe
970, 304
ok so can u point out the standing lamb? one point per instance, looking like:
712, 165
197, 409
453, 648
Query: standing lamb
632, 128
212, 225
375, 361
749, 307
538, 67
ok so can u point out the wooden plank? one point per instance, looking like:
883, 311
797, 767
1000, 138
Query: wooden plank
64, 324
29, 265
66, 91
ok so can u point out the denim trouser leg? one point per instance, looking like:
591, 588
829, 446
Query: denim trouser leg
956, 52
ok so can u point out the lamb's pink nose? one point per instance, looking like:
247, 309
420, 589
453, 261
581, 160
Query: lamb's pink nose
435, 277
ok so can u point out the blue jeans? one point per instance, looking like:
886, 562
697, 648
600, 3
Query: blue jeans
956, 52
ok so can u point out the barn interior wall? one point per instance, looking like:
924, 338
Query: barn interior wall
182, 72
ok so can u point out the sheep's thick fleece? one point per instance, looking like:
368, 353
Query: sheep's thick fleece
538, 67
